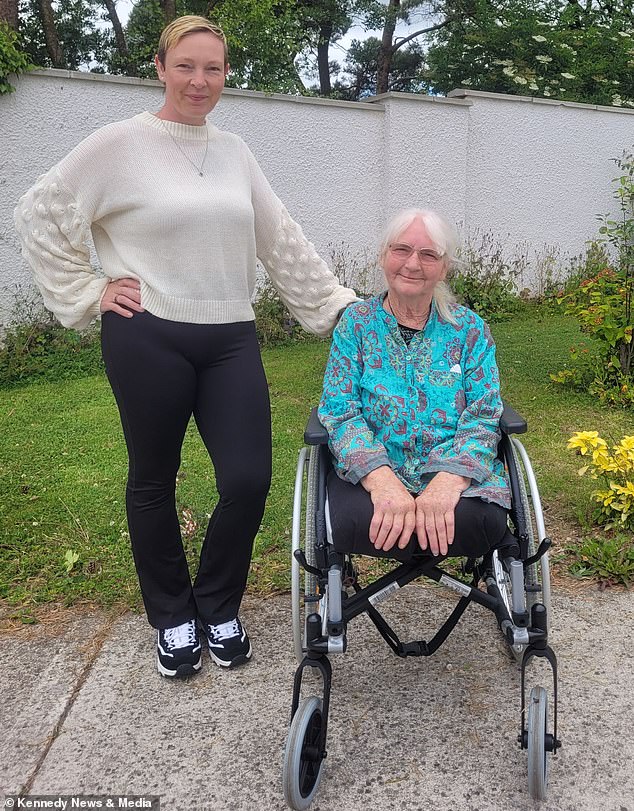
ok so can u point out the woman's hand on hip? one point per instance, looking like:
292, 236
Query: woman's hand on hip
394, 516
435, 512
122, 296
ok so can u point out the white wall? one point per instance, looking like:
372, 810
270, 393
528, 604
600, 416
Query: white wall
540, 170
525, 170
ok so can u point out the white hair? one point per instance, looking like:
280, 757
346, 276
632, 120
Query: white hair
445, 241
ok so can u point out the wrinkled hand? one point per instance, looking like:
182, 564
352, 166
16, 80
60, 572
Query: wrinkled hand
394, 516
122, 296
435, 512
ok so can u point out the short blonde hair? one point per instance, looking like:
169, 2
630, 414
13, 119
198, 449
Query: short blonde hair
445, 240
181, 27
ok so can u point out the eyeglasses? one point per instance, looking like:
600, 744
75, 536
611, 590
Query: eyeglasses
402, 252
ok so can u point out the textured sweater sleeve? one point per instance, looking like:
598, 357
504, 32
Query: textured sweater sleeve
473, 449
305, 283
55, 239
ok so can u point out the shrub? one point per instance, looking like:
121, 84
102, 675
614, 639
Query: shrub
615, 470
484, 280
12, 60
274, 324
355, 270
603, 302
36, 346
610, 558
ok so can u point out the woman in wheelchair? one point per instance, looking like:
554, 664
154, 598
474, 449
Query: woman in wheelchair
412, 404
422, 466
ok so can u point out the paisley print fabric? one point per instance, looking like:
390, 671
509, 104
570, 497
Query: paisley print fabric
428, 406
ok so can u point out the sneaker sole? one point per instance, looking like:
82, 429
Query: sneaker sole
242, 659
181, 672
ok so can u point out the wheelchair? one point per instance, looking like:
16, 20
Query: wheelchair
326, 596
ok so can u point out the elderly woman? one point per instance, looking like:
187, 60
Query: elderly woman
178, 211
411, 402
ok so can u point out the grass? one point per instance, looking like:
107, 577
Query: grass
529, 348
63, 468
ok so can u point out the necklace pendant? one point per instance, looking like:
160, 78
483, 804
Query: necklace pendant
200, 174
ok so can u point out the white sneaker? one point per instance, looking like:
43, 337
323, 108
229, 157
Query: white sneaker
178, 651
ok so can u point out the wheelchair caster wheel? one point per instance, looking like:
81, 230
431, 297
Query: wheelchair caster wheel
303, 757
536, 743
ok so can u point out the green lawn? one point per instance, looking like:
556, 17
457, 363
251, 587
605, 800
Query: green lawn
63, 467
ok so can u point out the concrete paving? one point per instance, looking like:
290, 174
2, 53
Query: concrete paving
84, 712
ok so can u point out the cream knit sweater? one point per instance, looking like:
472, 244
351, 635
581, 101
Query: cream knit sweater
191, 241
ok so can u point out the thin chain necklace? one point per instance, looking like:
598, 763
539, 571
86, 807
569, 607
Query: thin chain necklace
424, 319
199, 169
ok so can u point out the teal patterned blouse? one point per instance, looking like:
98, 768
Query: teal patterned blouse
433, 405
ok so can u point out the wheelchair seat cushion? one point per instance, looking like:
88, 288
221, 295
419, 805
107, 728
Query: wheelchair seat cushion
479, 525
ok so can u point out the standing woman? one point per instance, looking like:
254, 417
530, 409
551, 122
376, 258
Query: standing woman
178, 211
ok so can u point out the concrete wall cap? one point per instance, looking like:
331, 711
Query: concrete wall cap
420, 97
85, 76
464, 93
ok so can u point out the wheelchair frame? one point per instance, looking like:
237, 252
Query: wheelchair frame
517, 592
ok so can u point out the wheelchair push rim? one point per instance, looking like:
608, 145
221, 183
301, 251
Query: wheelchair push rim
303, 759
303, 538
538, 573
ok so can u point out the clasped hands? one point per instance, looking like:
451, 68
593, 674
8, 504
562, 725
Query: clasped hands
398, 514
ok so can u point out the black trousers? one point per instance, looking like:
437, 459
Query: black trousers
479, 525
163, 372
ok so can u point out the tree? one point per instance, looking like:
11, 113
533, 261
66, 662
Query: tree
580, 51
12, 59
436, 15
407, 70
264, 37
129, 68
9, 13
324, 21
70, 38
169, 10
142, 35
53, 47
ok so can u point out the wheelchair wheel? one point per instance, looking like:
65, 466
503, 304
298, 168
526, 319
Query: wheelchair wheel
303, 758
536, 743
529, 513
310, 459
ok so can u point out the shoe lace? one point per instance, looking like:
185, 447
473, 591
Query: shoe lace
225, 630
183, 636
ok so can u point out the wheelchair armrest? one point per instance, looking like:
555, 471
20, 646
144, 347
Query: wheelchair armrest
511, 422
315, 433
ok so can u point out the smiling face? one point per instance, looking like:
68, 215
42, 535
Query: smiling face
413, 278
194, 76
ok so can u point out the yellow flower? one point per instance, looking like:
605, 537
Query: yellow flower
601, 459
585, 441
626, 445
606, 497
628, 490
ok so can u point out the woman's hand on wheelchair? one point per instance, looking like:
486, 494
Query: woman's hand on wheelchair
435, 512
394, 515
